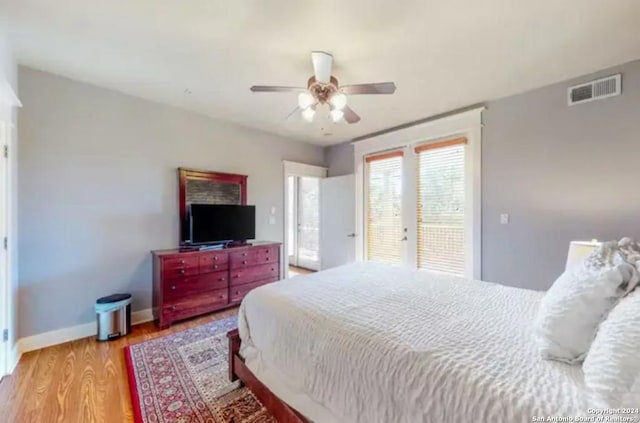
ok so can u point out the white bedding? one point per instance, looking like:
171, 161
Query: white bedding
374, 343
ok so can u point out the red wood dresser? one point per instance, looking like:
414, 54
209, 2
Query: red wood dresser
190, 283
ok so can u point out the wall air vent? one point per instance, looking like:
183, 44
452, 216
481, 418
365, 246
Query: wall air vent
595, 90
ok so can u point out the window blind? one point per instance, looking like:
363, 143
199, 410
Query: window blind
441, 201
384, 207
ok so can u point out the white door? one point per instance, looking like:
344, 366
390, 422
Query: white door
385, 220
417, 207
337, 236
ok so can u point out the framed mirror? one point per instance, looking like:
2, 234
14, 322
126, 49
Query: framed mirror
206, 187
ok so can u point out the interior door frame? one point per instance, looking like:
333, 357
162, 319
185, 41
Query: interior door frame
6, 300
466, 124
295, 169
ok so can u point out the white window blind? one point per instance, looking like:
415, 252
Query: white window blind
384, 207
441, 201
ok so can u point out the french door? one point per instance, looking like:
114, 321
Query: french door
304, 221
415, 206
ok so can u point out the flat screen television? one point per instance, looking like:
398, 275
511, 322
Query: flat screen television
211, 223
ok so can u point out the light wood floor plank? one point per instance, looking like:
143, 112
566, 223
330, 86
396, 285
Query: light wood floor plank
80, 381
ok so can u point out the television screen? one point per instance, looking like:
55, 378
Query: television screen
215, 223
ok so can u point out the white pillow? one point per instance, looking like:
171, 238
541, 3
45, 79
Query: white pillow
576, 303
612, 367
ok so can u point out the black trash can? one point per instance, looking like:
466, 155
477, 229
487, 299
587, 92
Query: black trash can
113, 316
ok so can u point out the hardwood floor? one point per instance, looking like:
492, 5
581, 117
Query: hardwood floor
293, 271
80, 381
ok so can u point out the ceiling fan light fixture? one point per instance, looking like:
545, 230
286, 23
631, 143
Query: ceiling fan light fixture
338, 101
308, 114
305, 100
336, 115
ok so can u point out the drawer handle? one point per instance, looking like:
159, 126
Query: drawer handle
173, 287
181, 261
267, 258
236, 276
237, 292
272, 269
182, 271
221, 279
215, 257
215, 266
244, 262
173, 308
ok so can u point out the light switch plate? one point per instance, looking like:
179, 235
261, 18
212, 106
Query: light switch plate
273, 209
272, 220
504, 219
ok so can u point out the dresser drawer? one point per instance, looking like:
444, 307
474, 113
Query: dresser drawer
173, 267
196, 304
253, 273
193, 285
240, 259
214, 261
253, 256
262, 255
237, 293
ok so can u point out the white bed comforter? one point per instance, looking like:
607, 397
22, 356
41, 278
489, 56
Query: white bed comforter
374, 343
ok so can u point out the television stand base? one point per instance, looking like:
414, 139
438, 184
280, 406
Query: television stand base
237, 244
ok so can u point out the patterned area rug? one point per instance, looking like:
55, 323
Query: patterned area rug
183, 378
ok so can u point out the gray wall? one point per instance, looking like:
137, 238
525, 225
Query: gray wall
339, 158
562, 173
98, 190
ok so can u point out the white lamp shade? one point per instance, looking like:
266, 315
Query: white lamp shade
579, 250
336, 115
338, 101
305, 100
308, 114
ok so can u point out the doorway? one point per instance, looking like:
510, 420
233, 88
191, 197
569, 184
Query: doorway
302, 218
418, 196
304, 222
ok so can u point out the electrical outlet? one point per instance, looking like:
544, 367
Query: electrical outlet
272, 220
504, 219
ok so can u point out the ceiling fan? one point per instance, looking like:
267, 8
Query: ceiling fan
322, 88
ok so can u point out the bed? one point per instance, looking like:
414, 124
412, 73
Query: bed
369, 342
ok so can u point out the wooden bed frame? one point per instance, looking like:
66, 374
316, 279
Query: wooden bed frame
238, 370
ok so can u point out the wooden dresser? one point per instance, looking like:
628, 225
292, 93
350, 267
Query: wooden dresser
190, 283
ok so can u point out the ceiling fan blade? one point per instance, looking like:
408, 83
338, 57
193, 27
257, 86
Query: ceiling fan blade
276, 89
376, 88
350, 116
322, 64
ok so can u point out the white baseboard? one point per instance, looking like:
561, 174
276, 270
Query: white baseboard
14, 358
59, 336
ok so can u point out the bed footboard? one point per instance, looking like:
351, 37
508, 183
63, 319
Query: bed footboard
238, 370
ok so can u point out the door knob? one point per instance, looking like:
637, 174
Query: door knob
351, 235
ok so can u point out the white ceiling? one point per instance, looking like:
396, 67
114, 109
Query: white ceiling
442, 54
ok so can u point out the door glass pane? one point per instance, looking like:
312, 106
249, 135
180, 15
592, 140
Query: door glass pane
308, 222
384, 208
441, 200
